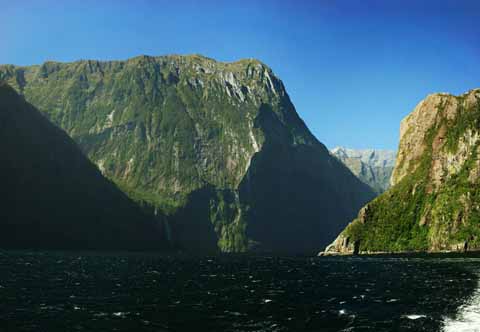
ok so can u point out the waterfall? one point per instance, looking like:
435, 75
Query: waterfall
166, 227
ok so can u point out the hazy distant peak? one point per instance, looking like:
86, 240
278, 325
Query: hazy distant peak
372, 157
372, 166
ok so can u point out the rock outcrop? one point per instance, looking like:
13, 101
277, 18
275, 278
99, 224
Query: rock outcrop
372, 166
434, 203
53, 197
217, 146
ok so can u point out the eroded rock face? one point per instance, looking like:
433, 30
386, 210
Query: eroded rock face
211, 143
434, 203
343, 245
413, 130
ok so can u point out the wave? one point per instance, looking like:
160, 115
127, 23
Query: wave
468, 317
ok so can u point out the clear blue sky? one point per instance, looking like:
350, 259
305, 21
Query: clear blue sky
353, 69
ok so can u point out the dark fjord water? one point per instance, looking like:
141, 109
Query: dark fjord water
138, 292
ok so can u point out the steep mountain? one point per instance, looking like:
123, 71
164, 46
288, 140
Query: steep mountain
373, 167
433, 204
53, 197
218, 146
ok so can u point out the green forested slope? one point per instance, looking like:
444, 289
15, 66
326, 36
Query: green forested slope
53, 197
434, 204
217, 146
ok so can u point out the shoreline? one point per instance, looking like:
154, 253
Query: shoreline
473, 252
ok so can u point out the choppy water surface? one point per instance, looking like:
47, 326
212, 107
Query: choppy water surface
138, 292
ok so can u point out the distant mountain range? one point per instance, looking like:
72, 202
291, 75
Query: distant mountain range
374, 167
217, 147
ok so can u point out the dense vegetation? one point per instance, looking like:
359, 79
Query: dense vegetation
216, 146
435, 207
54, 197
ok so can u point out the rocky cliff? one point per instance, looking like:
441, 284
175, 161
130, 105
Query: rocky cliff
434, 202
217, 146
53, 197
372, 166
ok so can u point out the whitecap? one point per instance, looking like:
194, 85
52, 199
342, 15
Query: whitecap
100, 314
119, 314
414, 317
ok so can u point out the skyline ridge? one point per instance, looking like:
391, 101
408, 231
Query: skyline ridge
353, 71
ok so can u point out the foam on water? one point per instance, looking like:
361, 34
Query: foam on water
468, 316
413, 317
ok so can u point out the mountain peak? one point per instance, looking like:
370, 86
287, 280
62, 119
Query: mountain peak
214, 144
375, 157
372, 166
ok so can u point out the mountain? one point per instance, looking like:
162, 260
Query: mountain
373, 167
53, 197
218, 146
433, 204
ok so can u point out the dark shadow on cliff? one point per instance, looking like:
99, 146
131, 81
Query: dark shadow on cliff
299, 196
191, 226
53, 197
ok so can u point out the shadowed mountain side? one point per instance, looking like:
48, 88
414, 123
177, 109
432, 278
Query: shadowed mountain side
55, 198
299, 196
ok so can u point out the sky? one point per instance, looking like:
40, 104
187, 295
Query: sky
353, 69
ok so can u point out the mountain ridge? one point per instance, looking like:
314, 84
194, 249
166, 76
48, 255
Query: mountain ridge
168, 129
372, 166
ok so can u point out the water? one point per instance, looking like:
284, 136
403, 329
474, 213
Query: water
468, 317
53, 291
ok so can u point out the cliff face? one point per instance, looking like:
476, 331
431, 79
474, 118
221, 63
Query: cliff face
434, 202
53, 197
373, 167
218, 146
